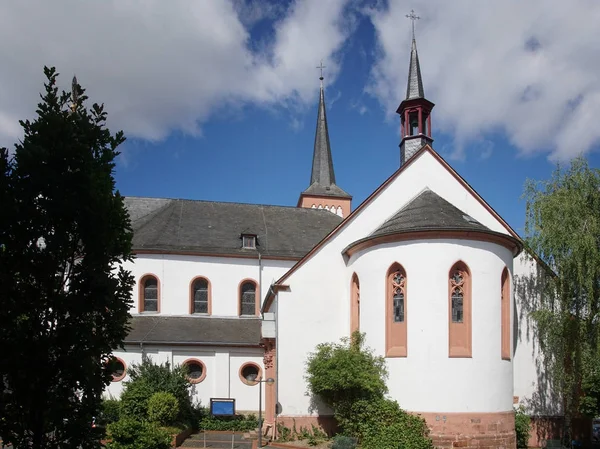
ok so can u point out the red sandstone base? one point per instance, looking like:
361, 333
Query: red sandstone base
448, 430
472, 430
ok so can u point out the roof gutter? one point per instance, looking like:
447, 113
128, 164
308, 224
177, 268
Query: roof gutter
189, 343
270, 293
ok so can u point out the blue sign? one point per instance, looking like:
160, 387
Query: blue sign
222, 407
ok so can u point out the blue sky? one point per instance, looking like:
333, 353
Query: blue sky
219, 99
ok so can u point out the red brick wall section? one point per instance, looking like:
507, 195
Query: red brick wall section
472, 430
447, 430
326, 423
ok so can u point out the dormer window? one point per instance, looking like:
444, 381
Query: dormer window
248, 241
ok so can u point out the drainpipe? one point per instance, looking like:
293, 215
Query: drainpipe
276, 359
259, 280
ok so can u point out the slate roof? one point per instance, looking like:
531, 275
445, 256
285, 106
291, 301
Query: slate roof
215, 228
322, 177
194, 330
429, 211
414, 87
330, 190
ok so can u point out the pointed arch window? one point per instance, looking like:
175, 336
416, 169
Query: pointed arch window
355, 305
248, 303
200, 296
149, 298
505, 314
459, 310
396, 311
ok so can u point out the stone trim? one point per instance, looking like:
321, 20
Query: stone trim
395, 332
354, 304
459, 333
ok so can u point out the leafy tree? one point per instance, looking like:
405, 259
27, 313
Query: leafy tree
342, 373
563, 229
64, 231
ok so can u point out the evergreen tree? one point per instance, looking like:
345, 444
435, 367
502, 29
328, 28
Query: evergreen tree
563, 228
65, 297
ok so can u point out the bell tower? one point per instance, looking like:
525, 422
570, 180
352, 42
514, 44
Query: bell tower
415, 110
323, 193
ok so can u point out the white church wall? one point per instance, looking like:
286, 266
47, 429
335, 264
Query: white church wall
175, 273
317, 307
532, 388
222, 372
428, 380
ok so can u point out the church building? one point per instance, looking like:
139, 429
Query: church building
424, 267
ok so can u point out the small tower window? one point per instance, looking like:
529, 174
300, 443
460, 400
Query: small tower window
248, 241
413, 125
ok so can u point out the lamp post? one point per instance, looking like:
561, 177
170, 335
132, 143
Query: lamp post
268, 381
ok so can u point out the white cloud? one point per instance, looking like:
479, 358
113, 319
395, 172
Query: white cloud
164, 66
529, 69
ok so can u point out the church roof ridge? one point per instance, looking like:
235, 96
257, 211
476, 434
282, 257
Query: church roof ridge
238, 203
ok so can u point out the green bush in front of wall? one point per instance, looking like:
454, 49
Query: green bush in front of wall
238, 423
522, 427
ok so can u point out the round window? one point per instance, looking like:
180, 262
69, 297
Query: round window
250, 373
196, 370
118, 370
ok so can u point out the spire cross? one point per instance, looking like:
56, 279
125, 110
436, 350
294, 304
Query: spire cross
321, 67
413, 17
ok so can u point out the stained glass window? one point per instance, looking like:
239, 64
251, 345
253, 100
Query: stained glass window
248, 299
398, 291
200, 296
151, 295
457, 295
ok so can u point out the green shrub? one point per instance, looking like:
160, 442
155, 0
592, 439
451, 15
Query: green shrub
522, 427
129, 433
284, 433
382, 424
148, 378
135, 397
344, 442
352, 380
163, 408
110, 411
238, 423
342, 373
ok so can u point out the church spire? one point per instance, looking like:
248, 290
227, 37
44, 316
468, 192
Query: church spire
323, 193
322, 167
415, 110
414, 87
